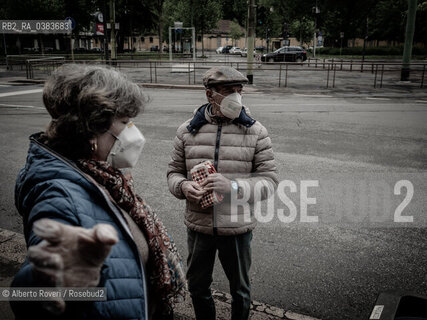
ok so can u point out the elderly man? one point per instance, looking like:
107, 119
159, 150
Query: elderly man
239, 147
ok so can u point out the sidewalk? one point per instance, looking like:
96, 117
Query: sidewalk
349, 84
12, 255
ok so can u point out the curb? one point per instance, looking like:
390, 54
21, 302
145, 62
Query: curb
248, 88
171, 86
13, 251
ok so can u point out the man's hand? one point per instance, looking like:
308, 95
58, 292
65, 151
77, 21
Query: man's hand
192, 191
217, 182
69, 256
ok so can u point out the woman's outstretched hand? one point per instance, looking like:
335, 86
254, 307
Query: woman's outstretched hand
69, 256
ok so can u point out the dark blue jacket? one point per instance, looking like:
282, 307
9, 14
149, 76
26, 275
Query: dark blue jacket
50, 186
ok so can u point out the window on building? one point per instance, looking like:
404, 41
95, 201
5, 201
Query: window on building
199, 38
142, 39
151, 39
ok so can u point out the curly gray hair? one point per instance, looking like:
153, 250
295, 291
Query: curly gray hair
83, 102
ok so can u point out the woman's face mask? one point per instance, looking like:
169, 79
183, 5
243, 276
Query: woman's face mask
231, 105
127, 148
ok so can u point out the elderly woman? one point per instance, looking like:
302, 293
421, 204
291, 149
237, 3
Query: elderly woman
83, 222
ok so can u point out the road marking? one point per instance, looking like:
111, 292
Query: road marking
373, 98
19, 106
421, 101
18, 93
313, 95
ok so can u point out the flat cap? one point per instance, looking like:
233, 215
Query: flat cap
223, 76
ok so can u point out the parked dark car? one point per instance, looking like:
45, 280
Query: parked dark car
260, 48
226, 49
291, 54
154, 48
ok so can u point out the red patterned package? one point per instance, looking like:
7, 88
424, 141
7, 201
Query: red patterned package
199, 174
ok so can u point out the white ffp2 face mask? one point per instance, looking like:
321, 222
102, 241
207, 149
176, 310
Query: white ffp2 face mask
231, 105
127, 148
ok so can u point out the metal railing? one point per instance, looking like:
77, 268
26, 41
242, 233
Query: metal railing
47, 65
323, 73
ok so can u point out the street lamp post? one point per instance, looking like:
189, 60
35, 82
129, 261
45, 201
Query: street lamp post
251, 37
104, 22
113, 29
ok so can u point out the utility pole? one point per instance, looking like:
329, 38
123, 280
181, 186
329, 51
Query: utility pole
104, 22
113, 29
364, 42
409, 38
5, 51
251, 38
315, 11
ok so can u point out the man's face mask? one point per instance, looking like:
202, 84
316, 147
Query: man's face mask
231, 105
127, 148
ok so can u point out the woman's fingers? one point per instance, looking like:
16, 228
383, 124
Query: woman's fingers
94, 244
49, 230
106, 234
55, 306
47, 267
44, 259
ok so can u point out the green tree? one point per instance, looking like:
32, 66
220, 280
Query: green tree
202, 14
388, 20
420, 23
133, 16
236, 31
302, 29
159, 12
236, 10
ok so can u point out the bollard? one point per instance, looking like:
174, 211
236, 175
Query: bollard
151, 74
286, 76
422, 77
382, 74
327, 79
375, 78
333, 81
155, 72
280, 74
351, 65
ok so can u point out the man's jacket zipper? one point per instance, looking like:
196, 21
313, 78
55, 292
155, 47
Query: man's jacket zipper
217, 144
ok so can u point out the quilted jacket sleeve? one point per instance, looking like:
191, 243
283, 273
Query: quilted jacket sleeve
177, 172
52, 201
264, 179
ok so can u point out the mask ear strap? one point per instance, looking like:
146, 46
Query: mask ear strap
218, 93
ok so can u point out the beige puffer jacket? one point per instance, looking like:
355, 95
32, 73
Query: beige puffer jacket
241, 151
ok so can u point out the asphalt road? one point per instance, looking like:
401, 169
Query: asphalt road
326, 270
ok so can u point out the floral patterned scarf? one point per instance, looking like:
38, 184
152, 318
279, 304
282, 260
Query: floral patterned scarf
165, 268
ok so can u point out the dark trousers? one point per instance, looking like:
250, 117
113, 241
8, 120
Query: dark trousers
234, 253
